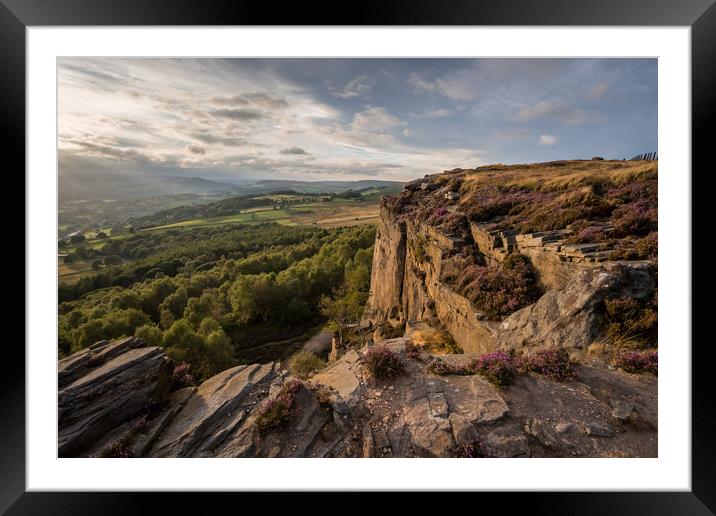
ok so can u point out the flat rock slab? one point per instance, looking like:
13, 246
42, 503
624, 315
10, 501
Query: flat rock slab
108, 395
344, 376
209, 413
474, 398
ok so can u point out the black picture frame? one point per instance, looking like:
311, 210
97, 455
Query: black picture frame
700, 15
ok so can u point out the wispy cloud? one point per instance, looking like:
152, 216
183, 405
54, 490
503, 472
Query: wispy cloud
330, 118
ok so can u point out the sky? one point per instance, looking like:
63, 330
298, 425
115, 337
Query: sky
346, 119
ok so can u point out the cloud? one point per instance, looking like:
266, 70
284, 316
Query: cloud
263, 100
375, 118
559, 109
237, 114
232, 100
547, 139
209, 137
361, 86
294, 150
266, 101
438, 113
196, 149
419, 84
541, 109
461, 88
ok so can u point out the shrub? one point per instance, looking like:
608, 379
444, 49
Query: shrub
323, 395
304, 363
646, 248
382, 362
471, 450
419, 249
497, 367
638, 218
500, 291
411, 350
632, 320
638, 361
552, 363
276, 412
588, 235
181, 377
442, 368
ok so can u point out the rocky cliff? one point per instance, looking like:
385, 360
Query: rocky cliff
119, 400
426, 239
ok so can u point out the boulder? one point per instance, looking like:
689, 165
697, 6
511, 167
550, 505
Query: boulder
572, 318
213, 412
108, 393
507, 442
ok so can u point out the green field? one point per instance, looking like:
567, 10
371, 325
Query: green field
337, 212
294, 210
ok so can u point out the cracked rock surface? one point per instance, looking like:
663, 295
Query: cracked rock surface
119, 396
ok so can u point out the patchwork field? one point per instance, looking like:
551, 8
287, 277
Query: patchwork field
324, 214
286, 210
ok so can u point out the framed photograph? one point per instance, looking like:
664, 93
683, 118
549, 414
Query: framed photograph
416, 250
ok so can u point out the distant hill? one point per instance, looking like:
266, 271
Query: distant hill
272, 185
99, 186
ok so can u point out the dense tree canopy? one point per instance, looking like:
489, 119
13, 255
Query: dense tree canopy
202, 286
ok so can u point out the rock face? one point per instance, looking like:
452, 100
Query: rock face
124, 407
388, 267
407, 284
570, 317
103, 387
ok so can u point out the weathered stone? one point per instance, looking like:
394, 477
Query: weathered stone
344, 376
570, 318
598, 430
388, 268
507, 442
462, 430
108, 395
475, 399
211, 414
545, 434
622, 410
563, 427
430, 436
438, 405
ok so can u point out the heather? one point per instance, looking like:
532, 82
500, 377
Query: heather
497, 367
443, 368
471, 450
382, 363
552, 363
582, 196
638, 361
181, 376
500, 291
411, 350
276, 413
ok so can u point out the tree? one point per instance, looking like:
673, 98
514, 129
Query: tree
253, 296
97, 265
345, 307
150, 334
